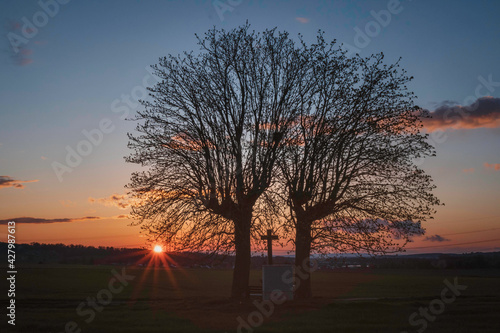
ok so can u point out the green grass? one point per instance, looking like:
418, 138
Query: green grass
196, 300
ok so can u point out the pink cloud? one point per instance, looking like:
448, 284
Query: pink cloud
470, 170
495, 166
24, 62
119, 200
67, 203
15, 25
302, 20
26, 52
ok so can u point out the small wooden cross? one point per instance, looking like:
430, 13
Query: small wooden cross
269, 237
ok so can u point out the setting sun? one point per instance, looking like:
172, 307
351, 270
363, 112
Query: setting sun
158, 249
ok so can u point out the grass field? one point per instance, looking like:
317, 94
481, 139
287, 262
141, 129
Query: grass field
196, 300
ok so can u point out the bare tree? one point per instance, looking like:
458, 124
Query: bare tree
349, 174
210, 138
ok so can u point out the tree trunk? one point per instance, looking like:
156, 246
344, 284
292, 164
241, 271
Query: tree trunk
241, 272
302, 257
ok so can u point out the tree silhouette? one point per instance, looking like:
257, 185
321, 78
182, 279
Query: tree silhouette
349, 174
254, 122
210, 137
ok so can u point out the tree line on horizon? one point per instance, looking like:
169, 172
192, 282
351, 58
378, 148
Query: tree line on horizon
41, 253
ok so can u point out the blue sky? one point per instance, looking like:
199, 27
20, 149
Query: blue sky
66, 78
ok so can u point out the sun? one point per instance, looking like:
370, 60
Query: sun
158, 249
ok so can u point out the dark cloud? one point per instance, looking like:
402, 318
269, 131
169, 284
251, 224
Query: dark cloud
445, 102
6, 181
436, 238
35, 220
485, 112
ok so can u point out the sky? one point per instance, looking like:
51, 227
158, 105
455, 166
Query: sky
72, 71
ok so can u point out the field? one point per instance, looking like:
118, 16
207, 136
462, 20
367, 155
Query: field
59, 298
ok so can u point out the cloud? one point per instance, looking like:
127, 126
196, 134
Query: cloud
495, 166
445, 102
302, 20
43, 157
121, 201
6, 181
470, 170
26, 52
24, 61
436, 238
483, 113
35, 220
67, 203
20, 53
